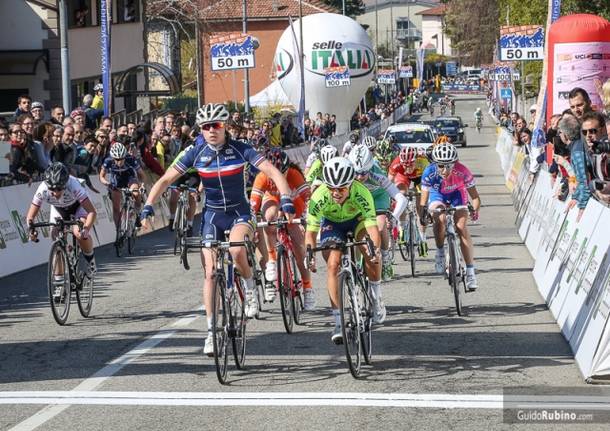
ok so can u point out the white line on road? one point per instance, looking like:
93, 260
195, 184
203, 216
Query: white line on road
99, 377
266, 399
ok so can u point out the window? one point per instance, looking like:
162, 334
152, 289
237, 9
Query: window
79, 13
127, 11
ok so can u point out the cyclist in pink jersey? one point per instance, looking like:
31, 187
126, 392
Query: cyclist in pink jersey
447, 181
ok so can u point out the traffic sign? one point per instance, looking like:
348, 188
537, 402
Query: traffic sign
233, 55
506, 93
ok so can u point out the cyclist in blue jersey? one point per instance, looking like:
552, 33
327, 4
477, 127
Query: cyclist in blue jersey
118, 171
220, 162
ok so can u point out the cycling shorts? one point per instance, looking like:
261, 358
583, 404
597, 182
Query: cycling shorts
455, 198
269, 199
124, 182
381, 198
74, 211
190, 180
337, 231
216, 222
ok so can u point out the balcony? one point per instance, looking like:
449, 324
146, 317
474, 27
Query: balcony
408, 34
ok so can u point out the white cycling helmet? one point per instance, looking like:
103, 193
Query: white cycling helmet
211, 113
370, 142
118, 151
327, 152
338, 172
444, 153
98, 87
362, 158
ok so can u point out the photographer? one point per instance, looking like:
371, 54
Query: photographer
600, 184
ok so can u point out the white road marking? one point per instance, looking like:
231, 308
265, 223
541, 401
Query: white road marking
99, 377
265, 399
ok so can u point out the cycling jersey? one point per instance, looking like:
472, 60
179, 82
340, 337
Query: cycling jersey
358, 205
69, 204
124, 175
264, 189
452, 189
315, 172
221, 171
382, 189
398, 170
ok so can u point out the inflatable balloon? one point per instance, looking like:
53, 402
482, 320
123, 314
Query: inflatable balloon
579, 54
330, 41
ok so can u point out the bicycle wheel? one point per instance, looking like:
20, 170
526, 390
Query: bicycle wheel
350, 328
178, 229
220, 322
366, 319
238, 321
391, 241
84, 295
59, 288
297, 293
131, 232
284, 290
403, 245
453, 274
412, 233
119, 243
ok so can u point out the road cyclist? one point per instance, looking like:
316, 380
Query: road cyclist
368, 172
220, 162
449, 182
338, 207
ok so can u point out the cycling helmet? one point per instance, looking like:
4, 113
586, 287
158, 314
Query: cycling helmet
338, 172
408, 155
370, 142
211, 113
362, 159
279, 159
444, 153
56, 176
118, 151
354, 136
391, 138
98, 87
327, 152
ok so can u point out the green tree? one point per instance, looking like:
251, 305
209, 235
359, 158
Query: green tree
352, 7
472, 26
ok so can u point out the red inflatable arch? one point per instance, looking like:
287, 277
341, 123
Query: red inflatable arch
578, 64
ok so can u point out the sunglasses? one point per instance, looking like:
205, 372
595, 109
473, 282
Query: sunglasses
17, 132
209, 126
587, 131
338, 189
119, 160
445, 165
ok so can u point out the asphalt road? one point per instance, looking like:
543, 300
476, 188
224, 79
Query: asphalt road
137, 363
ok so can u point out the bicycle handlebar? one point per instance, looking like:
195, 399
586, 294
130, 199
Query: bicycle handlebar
280, 222
59, 222
452, 210
183, 187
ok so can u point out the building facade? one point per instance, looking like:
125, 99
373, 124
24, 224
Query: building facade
30, 53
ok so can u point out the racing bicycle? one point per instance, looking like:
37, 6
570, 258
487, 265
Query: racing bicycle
407, 242
126, 231
288, 282
65, 274
355, 302
456, 269
180, 218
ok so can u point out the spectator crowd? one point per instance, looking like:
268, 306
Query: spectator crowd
575, 150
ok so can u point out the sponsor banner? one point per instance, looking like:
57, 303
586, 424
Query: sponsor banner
5, 154
337, 77
233, 55
515, 170
522, 47
581, 65
461, 87
105, 57
386, 76
405, 72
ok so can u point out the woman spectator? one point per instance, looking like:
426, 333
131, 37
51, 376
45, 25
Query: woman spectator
43, 134
24, 164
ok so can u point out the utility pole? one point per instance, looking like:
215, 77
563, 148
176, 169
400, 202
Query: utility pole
376, 34
392, 26
198, 63
302, 67
246, 71
65, 56
343, 7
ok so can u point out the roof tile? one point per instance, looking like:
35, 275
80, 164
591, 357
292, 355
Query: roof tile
228, 10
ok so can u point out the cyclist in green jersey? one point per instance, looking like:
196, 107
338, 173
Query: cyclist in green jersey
314, 175
341, 205
191, 179
375, 180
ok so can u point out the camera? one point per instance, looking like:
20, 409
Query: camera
600, 147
